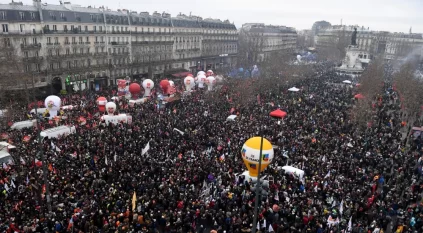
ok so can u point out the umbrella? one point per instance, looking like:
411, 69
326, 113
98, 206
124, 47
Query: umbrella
359, 96
231, 118
294, 89
278, 113
347, 81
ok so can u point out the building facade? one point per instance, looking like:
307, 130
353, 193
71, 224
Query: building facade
377, 43
260, 40
69, 47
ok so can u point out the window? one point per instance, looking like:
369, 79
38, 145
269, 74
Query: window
26, 54
81, 51
92, 17
37, 67
68, 64
50, 52
88, 50
58, 65
62, 15
87, 39
94, 28
2, 15
5, 27
80, 39
89, 62
86, 28
57, 52
67, 51
56, 40
48, 40
73, 40
74, 51
102, 39
96, 49
22, 15
55, 28
36, 54
51, 66
27, 68
66, 40
75, 63
24, 41
126, 29
113, 28
100, 28
65, 28
72, 28
22, 27
79, 28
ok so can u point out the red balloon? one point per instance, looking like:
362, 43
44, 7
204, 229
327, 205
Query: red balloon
134, 88
164, 84
101, 102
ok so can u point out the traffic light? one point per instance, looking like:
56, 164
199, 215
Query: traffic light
67, 80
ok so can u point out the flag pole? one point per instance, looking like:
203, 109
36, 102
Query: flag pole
258, 188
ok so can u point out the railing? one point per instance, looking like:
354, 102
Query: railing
74, 31
118, 43
33, 59
31, 46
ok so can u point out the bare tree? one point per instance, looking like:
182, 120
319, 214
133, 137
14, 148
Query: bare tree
15, 71
250, 46
333, 47
410, 89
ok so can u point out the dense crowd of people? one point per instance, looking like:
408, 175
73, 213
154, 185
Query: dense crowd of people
355, 180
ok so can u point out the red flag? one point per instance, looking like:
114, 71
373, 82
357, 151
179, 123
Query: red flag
26, 138
38, 163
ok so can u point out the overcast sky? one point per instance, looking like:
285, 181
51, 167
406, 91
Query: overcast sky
383, 15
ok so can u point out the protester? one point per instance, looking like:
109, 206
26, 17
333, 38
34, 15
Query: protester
355, 180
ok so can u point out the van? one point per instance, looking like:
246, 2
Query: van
6, 146
24, 124
58, 131
5, 157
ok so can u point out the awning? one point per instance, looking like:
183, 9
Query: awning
181, 74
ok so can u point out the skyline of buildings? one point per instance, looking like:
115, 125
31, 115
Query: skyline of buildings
66, 44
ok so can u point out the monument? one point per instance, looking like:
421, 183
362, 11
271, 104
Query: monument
355, 59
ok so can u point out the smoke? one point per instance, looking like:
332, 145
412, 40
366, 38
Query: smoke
412, 57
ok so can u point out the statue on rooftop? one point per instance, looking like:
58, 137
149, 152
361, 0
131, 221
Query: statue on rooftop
354, 37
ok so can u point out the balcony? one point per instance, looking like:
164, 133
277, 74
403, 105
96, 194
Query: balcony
120, 54
33, 59
31, 46
99, 54
52, 44
118, 43
74, 31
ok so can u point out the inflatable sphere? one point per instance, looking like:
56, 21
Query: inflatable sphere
101, 103
251, 155
111, 108
53, 104
147, 84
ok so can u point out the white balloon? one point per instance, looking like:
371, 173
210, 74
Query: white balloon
189, 82
111, 108
210, 82
147, 84
171, 83
201, 80
53, 104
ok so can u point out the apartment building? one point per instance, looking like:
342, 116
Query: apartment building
389, 45
67, 46
260, 40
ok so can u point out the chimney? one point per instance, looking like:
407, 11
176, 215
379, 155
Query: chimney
36, 3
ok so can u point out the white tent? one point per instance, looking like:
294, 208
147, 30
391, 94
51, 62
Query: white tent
231, 118
347, 81
294, 89
289, 169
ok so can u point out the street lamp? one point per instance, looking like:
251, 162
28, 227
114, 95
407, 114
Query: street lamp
276, 114
40, 140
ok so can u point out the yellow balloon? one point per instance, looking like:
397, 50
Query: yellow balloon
251, 155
